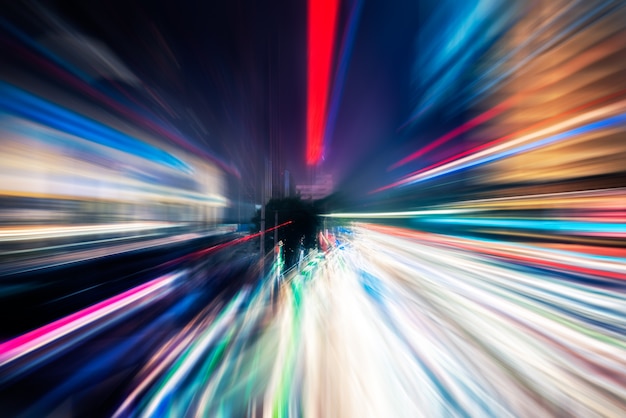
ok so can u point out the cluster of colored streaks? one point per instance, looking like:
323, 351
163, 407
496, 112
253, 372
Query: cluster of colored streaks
106, 356
65, 156
196, 357
200, 367
533, 104
507, 104
322, 20
90, 130
165, 357
242, 358
43, 57
489, 332
492, 145
595, 200
397, 322
385, 321
595, 261
521, 144
581, 18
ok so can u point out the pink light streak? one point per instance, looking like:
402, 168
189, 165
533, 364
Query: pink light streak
29, 342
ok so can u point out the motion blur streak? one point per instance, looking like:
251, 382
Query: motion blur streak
72, 76
523, 144
321, 38
25, 105
108, 311
480, 119
537, 94
395, 322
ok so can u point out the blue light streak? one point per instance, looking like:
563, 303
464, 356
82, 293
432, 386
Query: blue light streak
28, 106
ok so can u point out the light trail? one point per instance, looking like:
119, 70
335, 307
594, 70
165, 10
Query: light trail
23, 104
72, 76
322, 21
500, 150
49, 231
107, 311
601, 199
396, 322
399, 214
474, 122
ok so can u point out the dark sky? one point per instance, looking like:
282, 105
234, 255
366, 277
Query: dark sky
230, 76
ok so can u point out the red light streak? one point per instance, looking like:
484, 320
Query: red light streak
321, 34
478, 120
